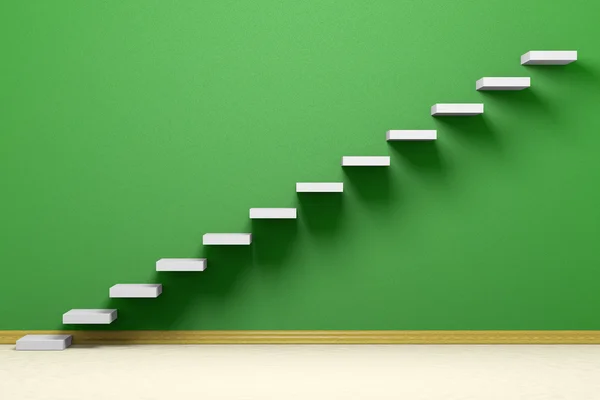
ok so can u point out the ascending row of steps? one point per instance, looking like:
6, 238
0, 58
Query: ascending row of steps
106, 316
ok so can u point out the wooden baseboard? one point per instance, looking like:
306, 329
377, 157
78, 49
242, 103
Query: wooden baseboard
318, 337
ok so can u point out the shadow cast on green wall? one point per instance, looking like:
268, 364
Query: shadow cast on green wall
321, 213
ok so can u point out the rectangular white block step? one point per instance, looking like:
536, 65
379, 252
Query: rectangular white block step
44, 342
503, 83
544, 57
457, 109
366, 161
233, 239
319, 187
273, 213
135, 290
181, 264
89, 316
411, 135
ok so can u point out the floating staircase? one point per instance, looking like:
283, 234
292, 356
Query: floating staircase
100, 316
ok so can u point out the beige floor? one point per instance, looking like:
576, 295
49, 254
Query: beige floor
302, 372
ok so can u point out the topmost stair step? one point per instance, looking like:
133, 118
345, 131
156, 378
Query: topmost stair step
89, 316
457, 109
365, 161
503, 83
545, 57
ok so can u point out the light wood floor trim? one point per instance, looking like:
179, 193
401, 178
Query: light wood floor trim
318, 337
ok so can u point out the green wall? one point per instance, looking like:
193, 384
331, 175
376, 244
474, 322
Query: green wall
129, 129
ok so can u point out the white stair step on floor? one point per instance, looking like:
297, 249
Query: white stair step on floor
44, 342
232, 239
503, 83
545, 57
135, 290
273, 213
89, 316
457, 109
181, 264
411, 135
319, 187
366, 161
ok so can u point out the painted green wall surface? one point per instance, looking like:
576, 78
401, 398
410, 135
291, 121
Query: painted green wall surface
129, 129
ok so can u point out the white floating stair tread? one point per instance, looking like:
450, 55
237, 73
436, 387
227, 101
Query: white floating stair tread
227, 239
89, 316
545, 57
503, 83
457, 109
44, 342
135, 290
273, 213
181, 264
411, 135
319, 187
365, 161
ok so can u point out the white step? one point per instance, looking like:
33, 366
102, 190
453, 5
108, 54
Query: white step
365, 161
135, 290
89, 316
44, 342
411, 135
502, 83
543, 57
181, 264
319, 187
273, 213
227, 239
457, 109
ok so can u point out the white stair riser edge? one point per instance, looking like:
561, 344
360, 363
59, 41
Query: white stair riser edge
227, 239
181, 264
503, 83
366, 161
43, 342
319, 187
544, 57
85, 317
135, 291
273, 213
457, 109
412, 135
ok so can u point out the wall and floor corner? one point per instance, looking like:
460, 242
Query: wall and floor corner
131, 130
